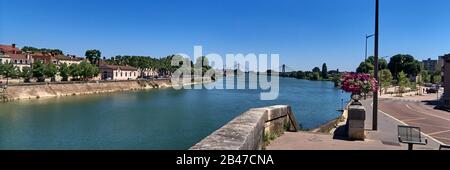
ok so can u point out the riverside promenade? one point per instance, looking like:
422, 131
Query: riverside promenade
385, 138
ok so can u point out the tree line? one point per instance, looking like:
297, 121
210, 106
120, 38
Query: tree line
163, 65
400, 70
315, 74
41, 71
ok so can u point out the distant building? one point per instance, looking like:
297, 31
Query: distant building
68, 59
430, 65
440, 62
9, 49
446, 81
4, 58
115, 72
20, 60
44, 57
11, 54
148, 73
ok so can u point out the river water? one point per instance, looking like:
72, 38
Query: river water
152, 119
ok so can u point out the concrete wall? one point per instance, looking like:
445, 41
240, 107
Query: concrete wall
247, 131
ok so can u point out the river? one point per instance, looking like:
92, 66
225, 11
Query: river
152, 119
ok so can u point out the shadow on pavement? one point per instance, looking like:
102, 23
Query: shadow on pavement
436, 104
341, 132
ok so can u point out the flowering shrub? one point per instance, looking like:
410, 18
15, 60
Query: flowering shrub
358, 83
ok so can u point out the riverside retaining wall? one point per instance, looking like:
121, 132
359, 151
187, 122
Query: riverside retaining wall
33, 91
249, 130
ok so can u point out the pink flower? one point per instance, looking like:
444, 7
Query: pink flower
358, 83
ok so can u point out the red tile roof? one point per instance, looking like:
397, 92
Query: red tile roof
9, 49
116, 67
17, 56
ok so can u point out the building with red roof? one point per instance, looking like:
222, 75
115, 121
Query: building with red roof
115, 72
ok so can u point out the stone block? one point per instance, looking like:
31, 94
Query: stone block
356, 134
356, 113
355, 122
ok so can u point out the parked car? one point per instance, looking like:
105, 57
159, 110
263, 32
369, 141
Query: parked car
428, 84
433, 89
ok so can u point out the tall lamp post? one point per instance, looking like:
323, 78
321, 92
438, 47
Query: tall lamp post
375, 95
367, 37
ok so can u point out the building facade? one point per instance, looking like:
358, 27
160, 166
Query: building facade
11, 54
20, 60
68, 59
430, 65
445, 100
114, 72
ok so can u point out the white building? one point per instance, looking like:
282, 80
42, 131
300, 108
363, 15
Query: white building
114, 72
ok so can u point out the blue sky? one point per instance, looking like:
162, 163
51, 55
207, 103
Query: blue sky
306, 33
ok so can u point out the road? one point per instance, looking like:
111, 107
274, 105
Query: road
433, 122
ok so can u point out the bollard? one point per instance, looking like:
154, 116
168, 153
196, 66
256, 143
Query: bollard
356, 118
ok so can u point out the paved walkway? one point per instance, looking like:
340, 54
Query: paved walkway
316, 141
433, 122
385, 138
387, 127
415, 98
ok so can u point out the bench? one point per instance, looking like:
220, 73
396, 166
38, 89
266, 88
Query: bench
444, 147
410, 135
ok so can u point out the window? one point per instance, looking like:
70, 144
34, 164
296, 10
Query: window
21, 62
134, 74
121, 74
116, 74
126, 74
15, 61
26, 61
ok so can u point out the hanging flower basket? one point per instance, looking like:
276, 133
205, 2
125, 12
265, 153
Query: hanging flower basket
357, 84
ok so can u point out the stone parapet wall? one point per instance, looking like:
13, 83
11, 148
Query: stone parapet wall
248, 130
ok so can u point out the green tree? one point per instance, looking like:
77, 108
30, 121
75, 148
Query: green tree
436, 79
64, 72
93, 56
425, 77
316, 70
385, 79
299, 75
50, 70
403, 82
26, 74
39, 71
88, 70
33, 49
75, 71
405, 63
365, 67
8, 70
201, 62
382, 63
337, 80
315, 76
324, 71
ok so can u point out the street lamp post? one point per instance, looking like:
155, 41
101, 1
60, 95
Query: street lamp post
375, 96
367, 37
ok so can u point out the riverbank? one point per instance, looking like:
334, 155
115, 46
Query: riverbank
330, 127
61, 89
